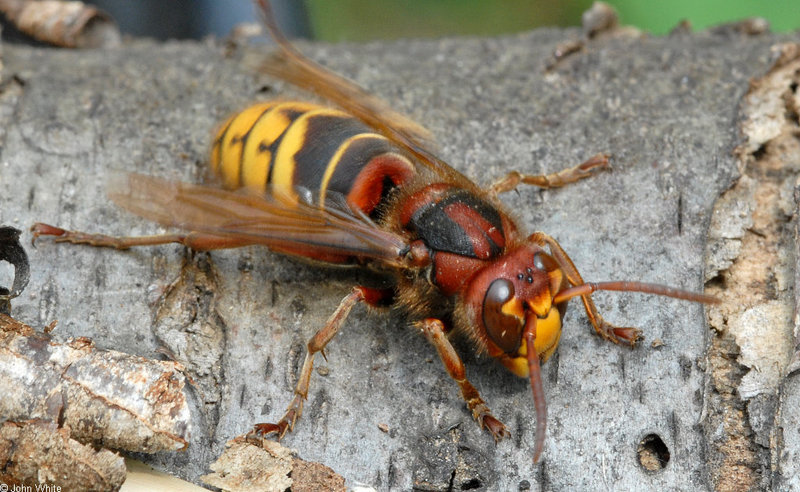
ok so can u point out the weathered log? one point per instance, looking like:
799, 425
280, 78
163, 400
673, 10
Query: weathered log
39, 455
103, 397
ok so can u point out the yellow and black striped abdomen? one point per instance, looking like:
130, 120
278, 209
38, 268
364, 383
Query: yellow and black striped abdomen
294, 144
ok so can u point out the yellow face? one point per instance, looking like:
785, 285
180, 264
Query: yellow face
548, 333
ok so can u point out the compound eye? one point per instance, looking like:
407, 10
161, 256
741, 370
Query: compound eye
503, 316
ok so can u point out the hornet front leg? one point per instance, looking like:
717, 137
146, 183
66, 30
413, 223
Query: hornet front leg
433, 329
553, 180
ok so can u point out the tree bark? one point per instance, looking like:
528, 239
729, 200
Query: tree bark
381, 409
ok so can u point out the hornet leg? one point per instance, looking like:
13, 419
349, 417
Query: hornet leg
604, 329
195, 240
434, 332
553, 180
316, 344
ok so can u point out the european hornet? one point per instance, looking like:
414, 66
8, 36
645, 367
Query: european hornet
358, 186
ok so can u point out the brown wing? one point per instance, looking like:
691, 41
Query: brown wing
273, 219
291, 65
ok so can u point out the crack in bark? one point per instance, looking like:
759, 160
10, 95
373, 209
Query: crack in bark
188, 323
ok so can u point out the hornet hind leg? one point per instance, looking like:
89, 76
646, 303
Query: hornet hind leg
194, 240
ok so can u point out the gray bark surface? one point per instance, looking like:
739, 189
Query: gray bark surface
665, 108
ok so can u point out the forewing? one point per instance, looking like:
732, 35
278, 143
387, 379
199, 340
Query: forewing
291, 65
274, 219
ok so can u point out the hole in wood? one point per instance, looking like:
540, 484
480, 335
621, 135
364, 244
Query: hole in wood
653, 453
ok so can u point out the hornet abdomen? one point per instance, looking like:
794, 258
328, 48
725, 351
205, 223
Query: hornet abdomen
297, 145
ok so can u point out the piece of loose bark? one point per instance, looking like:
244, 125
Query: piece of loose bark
66, 24
104, 397
244, 466
37, 452
269, 466
308, 476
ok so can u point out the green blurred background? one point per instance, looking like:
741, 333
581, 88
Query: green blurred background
359, 20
